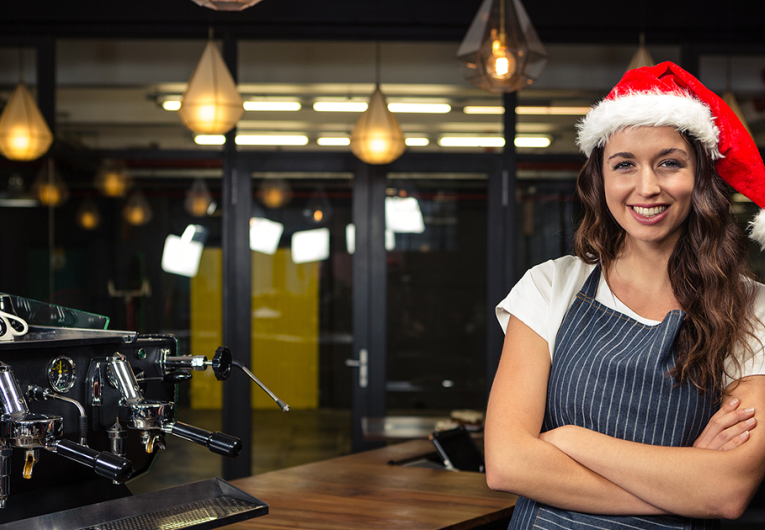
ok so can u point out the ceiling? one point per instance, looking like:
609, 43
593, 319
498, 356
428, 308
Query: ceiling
115, 61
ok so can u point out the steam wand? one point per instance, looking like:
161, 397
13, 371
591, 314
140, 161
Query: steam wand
221, 365
282, 404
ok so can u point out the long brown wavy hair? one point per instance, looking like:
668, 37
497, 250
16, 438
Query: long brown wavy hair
708, 270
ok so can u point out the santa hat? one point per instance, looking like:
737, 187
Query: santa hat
667, 95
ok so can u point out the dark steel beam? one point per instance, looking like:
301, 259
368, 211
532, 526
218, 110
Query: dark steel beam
237, 292
501, 237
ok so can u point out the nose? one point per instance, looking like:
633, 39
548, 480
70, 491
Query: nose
648, 182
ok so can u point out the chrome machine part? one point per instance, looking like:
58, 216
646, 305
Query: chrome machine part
11, 398
121, 376
38, 393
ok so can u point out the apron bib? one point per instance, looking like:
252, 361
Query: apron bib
610, 374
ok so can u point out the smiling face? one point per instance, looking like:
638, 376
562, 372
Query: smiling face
648, 179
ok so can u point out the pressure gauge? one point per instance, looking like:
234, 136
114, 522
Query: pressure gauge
61, 373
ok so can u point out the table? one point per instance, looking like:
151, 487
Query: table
373, 490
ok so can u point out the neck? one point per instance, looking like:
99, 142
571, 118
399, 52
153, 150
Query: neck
639, 263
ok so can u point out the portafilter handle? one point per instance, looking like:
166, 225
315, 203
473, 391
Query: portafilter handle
217, 442
103, 463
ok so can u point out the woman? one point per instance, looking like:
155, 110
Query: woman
602, 413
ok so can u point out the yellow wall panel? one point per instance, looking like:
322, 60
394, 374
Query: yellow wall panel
285, 330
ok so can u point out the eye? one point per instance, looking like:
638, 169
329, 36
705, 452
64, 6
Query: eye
671, 163
621, 166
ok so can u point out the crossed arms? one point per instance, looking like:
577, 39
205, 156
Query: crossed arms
577, 469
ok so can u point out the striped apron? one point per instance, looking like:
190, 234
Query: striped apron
609, 374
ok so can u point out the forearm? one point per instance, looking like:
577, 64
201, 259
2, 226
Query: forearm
681, 480
540, 471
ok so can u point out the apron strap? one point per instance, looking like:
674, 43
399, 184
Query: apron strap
590, 288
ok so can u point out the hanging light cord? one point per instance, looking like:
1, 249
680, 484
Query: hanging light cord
377, 64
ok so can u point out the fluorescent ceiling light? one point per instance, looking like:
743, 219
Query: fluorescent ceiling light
171, 104
483, 109
265, 235
416, 142
527, 110
553, 111
310, 245
333, 140
340, 106
422, 108
402, 214
537, 141
471, 141
209, 139
286, 106
271, 139
181, 257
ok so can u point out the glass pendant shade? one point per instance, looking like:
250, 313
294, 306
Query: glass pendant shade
642, 57
88, 216
377, 137
211, 103
198, 199
137, 210
501, 51
275, 193
226, 5
24, 135
112, 179
49, 187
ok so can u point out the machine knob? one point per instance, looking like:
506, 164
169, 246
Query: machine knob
103, 463
221, 363
217, 442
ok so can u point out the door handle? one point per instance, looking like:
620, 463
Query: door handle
362, 363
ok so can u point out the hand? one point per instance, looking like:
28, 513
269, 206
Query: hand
728, 428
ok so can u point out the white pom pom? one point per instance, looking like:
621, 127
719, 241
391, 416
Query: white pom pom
757, 229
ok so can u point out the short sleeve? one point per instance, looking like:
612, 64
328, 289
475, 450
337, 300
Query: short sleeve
529, 300
753, 363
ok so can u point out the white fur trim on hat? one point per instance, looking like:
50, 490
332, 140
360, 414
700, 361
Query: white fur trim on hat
757, 229
641, 109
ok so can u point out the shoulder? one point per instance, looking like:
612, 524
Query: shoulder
544, 288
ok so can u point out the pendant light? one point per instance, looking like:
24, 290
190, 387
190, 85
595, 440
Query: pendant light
501, 51
226, 5
377, 138
211, 103
275, 193
24, 134
137, 210
49, 187
88, 216
112, 179
641, 57
199, 202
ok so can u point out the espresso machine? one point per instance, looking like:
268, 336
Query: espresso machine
84, 408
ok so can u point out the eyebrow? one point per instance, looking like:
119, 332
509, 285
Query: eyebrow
663, 152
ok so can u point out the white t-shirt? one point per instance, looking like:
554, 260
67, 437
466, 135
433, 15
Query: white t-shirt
544, 294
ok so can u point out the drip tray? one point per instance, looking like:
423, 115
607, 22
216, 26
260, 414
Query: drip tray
200, 505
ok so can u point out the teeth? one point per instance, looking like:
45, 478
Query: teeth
649, 212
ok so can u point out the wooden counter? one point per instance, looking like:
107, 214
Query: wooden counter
363, 491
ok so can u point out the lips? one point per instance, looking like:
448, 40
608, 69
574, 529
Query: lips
649, 215
649, 211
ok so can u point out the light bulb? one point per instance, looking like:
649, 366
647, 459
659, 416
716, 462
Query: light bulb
88, 216
500, 63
